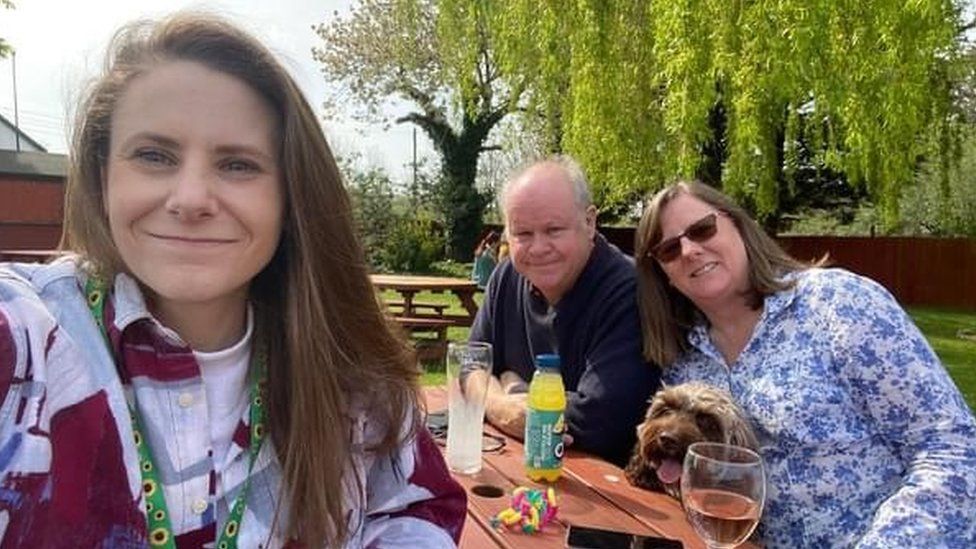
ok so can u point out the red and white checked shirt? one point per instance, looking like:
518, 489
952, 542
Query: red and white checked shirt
69, 472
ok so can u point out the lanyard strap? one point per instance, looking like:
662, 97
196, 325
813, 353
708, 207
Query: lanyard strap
157, 514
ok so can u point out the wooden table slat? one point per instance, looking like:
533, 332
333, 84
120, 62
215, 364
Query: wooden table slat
660, 512
477, 536
483, 508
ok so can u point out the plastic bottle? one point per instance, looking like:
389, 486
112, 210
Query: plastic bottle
544, 422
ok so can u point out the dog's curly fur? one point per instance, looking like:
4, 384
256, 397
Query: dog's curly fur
678, 417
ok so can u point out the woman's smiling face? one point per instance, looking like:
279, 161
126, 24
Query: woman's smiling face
192, 185
710, 272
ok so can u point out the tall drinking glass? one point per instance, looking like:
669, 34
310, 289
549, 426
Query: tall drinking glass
723, 488
468, 371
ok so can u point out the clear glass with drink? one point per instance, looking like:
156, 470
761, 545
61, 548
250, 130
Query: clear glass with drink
723, 488
468, 371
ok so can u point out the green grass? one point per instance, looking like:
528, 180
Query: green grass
953, 336
947, 331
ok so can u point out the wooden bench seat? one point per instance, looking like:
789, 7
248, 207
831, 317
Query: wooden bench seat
437, 308
428, 348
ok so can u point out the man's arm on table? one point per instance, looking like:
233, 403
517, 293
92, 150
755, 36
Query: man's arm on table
506, 402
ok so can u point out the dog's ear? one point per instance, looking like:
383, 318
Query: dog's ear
740, 433
639, 474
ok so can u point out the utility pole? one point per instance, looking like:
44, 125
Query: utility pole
13, 64
415, 158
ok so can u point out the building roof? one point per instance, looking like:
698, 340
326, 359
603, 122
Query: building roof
24, 136
40, 164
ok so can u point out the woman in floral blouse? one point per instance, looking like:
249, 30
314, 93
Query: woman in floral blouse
210, 367
866, 441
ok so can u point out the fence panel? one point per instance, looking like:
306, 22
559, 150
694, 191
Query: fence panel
937, 272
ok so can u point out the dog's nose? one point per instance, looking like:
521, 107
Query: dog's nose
668, 442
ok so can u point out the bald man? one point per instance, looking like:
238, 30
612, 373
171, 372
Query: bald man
565, 290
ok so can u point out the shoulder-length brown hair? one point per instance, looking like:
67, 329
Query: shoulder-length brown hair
316, 311
666, 314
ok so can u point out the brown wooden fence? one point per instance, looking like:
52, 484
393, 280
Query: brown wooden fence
937, 272
31, 197
30, 212
918, 271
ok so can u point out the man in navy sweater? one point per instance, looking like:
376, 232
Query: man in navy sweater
565, 290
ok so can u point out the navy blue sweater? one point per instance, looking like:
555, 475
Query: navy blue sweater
595, 329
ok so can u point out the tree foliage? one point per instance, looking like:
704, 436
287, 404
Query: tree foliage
634, 87
5, 48
438, 58
399, 232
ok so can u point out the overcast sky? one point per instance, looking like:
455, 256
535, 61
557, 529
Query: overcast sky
60, 45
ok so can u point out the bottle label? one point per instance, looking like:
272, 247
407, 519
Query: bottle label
544, 439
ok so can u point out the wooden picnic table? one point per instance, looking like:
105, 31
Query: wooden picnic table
408, 286
591, 492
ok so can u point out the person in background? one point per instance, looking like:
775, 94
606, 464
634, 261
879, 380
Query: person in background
866, 440
484, 259
502, 249
210, 365
566, 290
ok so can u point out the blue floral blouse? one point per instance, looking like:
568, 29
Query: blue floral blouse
866, 440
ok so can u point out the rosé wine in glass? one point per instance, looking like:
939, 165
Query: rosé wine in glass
723, 488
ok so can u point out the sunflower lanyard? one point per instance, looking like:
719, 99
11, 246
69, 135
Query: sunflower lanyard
157, 514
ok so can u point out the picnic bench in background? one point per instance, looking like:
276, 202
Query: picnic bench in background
428, 322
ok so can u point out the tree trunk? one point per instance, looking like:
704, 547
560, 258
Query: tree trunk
464, 205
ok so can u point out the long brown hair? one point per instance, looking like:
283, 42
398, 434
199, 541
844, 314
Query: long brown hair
666, 314
328, 342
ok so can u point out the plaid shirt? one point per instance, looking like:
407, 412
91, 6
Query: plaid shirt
69, 471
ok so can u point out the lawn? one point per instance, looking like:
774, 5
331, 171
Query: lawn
953, 336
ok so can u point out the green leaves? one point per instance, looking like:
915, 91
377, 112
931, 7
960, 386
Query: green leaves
5, 47
634, 83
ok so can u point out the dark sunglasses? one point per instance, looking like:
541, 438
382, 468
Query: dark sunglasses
668, 250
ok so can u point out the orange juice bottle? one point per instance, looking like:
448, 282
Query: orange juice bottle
544, 422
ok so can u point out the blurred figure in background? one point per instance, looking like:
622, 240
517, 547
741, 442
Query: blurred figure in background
502, 249
484, 259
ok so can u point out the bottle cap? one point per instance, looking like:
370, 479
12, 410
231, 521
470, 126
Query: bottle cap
547, 362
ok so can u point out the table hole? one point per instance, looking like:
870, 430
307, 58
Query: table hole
488, 491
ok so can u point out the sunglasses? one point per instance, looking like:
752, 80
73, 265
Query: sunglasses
668, 250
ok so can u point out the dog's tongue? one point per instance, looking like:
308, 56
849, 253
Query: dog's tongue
669, 471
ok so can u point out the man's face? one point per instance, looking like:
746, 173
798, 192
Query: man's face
550, 238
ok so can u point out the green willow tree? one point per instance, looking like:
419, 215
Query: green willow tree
389, 50
634, 87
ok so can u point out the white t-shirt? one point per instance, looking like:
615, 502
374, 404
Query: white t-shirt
225, 381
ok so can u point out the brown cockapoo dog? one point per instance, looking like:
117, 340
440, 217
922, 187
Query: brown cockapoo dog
678, 417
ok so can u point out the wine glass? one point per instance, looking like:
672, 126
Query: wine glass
723, 489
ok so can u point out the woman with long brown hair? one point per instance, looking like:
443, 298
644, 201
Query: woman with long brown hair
865, 439
209, 362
